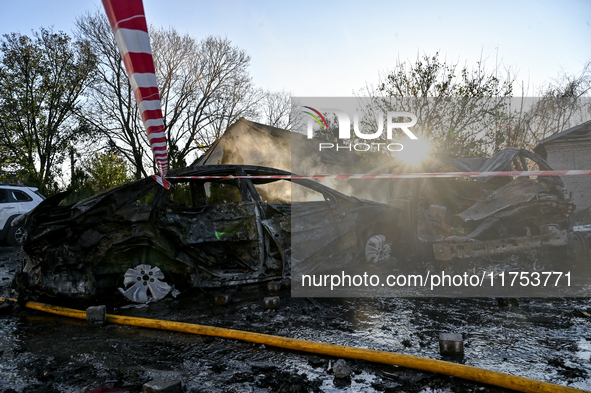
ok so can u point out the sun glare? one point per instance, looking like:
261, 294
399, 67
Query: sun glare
414, 151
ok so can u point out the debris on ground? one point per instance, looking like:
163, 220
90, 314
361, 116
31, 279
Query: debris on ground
46, 353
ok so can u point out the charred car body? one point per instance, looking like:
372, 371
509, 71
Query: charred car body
200, 233
462, 219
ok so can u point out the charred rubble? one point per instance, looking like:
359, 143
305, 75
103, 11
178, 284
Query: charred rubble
450, 220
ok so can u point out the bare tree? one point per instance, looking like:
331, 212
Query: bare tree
560, 104
213, 90
276, 109
563, 103
454, 105
204, 87
110, 104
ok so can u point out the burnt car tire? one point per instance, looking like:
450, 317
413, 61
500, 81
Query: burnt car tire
16, 236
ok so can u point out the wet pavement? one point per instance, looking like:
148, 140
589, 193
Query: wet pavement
545, 339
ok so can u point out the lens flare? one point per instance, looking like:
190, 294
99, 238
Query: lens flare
414, 151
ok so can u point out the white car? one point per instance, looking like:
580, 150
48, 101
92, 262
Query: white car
14, 201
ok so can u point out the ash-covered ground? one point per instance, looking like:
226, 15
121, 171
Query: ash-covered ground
545, 339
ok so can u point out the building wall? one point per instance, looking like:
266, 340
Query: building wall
573, 155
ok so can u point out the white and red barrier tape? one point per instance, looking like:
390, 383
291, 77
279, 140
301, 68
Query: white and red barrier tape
399, 175
128, 21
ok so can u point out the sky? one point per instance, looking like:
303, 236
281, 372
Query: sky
335, 48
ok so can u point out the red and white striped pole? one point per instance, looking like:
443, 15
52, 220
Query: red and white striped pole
128, 21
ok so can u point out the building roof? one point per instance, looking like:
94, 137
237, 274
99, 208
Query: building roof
576, 133
247, 142
579, 133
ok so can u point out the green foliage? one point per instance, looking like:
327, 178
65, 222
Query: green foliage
41, 79
80, 186
106, 171
100, 173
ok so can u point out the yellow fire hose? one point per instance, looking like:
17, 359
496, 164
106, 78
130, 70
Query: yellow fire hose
496, 378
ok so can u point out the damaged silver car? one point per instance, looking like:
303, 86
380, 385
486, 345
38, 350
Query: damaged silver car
200, 233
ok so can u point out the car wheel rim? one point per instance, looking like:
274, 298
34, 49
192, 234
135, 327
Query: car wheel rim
143, 279
19, 235
376, 249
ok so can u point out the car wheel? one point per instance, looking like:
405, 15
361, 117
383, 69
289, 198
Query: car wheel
16, 236
377, 249
143, 279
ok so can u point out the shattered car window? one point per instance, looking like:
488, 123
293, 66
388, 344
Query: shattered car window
286, 192
201, 193
277, 192
180, 194
301, 193
222, 192
146, 199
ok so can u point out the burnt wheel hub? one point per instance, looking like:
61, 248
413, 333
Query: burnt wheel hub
145, 283
377, 249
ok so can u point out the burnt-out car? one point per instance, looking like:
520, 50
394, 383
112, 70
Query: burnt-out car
488, 217
451, 220
200, 233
